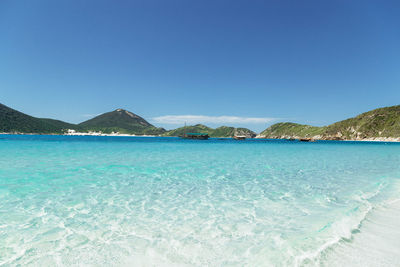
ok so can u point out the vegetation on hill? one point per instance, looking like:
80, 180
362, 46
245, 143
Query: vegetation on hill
121, 121
222, 131
377, 123
381, 122
61, 124
291, 130
225, 131
198, 128
14, 121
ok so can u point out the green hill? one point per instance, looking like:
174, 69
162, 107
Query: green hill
198, 128
12, 120
61, 124
222, 131
381, 122
121, 121
376, 124
290, 130
225, 131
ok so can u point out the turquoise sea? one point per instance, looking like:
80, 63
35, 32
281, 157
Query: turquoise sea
132, 201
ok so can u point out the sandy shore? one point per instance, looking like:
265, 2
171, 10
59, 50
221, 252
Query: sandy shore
376, 243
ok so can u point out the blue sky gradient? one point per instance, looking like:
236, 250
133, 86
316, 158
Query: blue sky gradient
313, 62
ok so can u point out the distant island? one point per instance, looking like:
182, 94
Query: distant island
381, 124
223, 131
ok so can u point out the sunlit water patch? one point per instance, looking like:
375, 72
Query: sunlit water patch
101, 201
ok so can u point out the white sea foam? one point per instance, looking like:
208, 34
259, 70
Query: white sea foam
370, 242
377, 243
342, 231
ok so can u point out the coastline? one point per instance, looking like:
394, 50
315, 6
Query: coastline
318, 138
83, 134
373, 243
372, 239
372, 139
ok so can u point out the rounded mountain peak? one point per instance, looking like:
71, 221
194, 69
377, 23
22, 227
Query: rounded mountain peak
121, 111
120, 118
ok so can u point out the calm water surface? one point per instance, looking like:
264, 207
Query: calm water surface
130, 201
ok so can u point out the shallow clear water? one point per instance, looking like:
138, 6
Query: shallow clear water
112, 201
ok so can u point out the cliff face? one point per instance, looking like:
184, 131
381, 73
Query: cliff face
225, 131
245, 132
379, 124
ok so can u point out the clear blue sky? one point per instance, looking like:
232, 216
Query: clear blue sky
312, 62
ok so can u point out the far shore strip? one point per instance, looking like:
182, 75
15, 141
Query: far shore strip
376, 139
